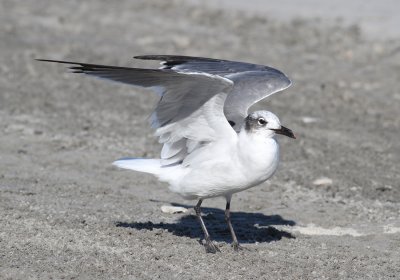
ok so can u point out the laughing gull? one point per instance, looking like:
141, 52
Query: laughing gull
212, 146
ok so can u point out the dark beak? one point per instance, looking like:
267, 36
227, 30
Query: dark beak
285, 131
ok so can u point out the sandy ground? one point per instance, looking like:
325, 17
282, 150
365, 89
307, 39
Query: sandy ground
66, 213
378, 19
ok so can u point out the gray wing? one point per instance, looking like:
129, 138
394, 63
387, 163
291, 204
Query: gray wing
252, 82
202, 64
189, 112
249, 88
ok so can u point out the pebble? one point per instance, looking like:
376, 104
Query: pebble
173, 209
323, 181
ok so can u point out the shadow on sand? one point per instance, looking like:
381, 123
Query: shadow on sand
249, 227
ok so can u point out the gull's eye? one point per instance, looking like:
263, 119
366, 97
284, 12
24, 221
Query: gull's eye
262, 121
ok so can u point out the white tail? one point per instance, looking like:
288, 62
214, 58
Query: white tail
152, 166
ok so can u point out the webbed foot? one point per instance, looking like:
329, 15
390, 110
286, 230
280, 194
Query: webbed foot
211, 247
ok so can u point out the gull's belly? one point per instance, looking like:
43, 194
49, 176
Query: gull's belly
228, 174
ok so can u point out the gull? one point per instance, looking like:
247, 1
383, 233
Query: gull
211, 145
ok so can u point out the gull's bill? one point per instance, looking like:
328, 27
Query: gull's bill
285, 131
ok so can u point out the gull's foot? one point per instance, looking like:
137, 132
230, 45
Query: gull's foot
237, 247
211, 247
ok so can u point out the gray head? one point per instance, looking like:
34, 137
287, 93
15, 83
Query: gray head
267, 124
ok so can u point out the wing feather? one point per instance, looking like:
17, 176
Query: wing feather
190, 107
252, 82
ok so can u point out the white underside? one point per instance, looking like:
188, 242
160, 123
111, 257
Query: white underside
220, 168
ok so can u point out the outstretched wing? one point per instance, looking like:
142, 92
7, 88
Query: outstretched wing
189, 112
252, 82
202, 64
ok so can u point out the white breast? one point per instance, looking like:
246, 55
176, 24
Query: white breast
226, 168
259, 156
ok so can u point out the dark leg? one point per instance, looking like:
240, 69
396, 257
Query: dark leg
210, 246
235, 244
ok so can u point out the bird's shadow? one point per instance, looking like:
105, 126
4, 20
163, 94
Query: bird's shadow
249, 227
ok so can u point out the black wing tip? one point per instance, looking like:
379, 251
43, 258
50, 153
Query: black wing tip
170, 61
42, 59
168, 58
58, 61
77, 68
80, 67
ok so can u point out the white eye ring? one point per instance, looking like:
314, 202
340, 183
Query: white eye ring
262, 121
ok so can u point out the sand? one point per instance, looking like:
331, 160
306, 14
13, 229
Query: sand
330, 212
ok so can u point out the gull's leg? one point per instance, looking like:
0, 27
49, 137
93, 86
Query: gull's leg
235, 244
210, 246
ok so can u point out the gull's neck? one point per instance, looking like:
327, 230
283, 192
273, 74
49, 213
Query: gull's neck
258, 150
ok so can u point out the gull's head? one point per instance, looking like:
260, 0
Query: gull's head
266, 124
